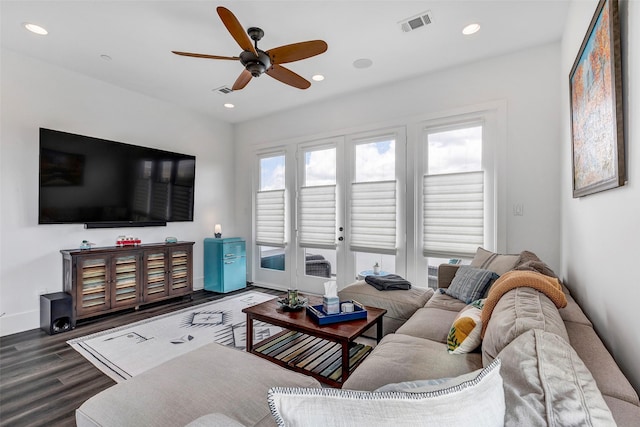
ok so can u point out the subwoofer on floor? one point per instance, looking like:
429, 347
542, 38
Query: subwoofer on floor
56, 313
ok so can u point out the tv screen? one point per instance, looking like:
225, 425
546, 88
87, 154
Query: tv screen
111, 184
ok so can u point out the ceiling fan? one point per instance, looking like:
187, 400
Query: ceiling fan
256, 61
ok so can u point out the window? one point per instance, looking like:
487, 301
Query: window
373, 198
270, 212
453, 190
317, 211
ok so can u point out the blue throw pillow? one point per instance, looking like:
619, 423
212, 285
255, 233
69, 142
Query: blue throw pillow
470, 283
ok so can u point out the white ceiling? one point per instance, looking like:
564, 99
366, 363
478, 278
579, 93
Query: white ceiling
139, 35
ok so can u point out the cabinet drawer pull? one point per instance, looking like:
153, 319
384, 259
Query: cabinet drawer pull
229, 262
229, 255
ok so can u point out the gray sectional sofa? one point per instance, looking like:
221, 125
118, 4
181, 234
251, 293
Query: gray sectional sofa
554, 370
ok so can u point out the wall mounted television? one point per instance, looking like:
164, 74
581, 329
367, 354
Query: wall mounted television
111, 184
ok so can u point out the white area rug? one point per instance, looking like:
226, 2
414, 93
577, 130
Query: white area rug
129, 350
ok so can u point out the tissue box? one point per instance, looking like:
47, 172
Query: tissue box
331, 305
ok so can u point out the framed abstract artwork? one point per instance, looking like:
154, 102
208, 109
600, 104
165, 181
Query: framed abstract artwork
597, 128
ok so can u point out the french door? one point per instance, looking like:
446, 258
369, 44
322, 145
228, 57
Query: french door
349, 201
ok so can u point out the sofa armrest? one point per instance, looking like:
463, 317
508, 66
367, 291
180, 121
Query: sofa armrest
446, 272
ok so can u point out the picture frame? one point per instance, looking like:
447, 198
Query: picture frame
597, 126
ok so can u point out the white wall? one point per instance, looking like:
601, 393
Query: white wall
34, 95
600, 232
527, 81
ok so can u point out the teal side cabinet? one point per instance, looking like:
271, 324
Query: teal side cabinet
225, 264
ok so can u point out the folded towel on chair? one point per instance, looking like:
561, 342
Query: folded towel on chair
390, 282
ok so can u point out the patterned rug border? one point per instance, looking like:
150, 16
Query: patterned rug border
160, 316
118, 372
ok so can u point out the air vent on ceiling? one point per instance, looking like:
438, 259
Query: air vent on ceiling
418, 21
223, 90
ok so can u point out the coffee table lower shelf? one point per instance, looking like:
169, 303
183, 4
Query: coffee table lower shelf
311, 355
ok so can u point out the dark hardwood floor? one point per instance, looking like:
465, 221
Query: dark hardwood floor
43, 380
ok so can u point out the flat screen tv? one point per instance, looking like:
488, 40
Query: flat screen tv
111, 184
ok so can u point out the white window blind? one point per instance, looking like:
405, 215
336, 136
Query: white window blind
373, 217
270, 214
453, 214
317, 217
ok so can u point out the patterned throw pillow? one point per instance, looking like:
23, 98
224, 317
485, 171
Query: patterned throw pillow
464, 336
470, 284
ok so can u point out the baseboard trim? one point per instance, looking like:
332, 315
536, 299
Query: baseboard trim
19, 322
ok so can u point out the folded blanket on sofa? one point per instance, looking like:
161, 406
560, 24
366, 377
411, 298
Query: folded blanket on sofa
549, 286
390, 282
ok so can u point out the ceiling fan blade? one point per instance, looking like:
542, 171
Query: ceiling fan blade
202, 55
287, 76
296, 51
243, 79
235, 29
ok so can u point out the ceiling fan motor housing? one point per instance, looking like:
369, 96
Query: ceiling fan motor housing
256, 65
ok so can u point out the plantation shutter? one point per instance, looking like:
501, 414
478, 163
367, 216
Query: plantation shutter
317, 217
270, 214
453, 214
373, 217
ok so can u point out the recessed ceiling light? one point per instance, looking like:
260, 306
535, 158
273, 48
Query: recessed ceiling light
36, 29
471, 29
362, 63
229, 105
317, 78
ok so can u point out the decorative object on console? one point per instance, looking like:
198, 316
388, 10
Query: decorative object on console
86, 244
217, 231
171, 239
597, 120
127, 241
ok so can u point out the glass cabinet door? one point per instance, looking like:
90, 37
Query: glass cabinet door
93, 279
125, 278
179, 270
155, 270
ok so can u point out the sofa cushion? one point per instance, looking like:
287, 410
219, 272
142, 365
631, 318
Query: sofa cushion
399, 358
464, 335
516, 312
572, 312
478, 401
546, 384
610, 379
445, 302
212, 378
470, 284
497, 263
429, 323
400, 304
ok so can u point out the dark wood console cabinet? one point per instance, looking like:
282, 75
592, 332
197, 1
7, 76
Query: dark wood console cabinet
103, 280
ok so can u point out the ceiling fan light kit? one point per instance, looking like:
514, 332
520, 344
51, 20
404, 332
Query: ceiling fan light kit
257, 62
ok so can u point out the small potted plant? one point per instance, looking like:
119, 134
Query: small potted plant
376, 268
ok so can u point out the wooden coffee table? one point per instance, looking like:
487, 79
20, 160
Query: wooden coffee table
343, 333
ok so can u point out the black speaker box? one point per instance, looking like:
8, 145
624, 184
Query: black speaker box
56, 313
